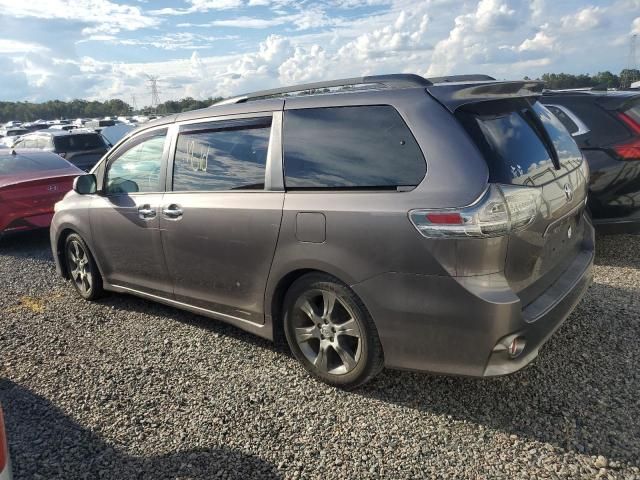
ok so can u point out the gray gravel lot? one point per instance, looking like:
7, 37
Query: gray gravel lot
126, 388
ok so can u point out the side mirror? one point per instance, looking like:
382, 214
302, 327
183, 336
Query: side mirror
85, 184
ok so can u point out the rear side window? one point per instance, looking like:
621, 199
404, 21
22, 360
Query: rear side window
225, 155
564, 118
78, 142
516, 149
634, 111
350, 147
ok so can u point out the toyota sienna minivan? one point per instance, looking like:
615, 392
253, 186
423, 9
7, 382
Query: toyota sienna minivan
379, 221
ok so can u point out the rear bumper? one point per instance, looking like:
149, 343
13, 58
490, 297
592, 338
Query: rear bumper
455, 325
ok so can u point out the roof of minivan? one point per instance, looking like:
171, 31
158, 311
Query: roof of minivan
453, 92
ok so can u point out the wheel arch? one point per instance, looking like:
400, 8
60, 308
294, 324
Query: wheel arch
60, 253
279, 290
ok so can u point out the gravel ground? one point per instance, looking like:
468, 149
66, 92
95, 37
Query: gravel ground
127, 389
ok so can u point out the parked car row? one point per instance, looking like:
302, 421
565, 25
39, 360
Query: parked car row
426, 224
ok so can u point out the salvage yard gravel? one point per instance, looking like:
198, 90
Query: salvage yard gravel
129, 389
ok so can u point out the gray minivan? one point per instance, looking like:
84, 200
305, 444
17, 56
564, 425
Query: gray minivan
379, 221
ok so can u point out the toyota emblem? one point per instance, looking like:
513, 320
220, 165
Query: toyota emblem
568, 192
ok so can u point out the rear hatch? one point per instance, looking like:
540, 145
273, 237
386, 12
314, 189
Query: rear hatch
525, 146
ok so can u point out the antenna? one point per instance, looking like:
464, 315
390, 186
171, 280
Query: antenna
153, 87
630, 73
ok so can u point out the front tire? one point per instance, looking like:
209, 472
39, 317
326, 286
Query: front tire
330, 331
82, 268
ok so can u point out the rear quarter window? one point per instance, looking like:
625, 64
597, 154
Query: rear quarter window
367, 147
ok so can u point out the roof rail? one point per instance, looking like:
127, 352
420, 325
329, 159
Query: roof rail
472, 77
400, 80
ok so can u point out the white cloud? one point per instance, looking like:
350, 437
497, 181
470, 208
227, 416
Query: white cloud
541, 41
15, 46
585, 19
199, 6
473, 37
106, 15
169, 41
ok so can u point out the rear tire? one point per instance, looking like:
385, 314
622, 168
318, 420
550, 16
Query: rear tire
82, 268
330, 331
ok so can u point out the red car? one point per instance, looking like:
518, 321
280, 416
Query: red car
31, 182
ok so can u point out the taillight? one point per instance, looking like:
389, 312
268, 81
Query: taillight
629, 150
3, 444
501, 210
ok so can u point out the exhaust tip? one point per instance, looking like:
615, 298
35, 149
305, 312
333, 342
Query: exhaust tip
516, 347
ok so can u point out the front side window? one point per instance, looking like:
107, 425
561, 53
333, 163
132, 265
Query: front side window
137, 167
225, 155
361, 147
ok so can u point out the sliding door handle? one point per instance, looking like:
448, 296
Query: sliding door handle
172, 211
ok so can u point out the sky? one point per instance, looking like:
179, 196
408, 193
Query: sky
101, 49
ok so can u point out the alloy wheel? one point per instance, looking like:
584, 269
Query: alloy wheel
79, 267
327, 332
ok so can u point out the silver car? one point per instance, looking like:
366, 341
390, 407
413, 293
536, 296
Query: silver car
379, 221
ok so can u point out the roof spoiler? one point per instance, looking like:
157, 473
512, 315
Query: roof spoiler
454, 95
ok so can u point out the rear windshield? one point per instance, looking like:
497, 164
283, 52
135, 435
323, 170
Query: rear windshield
78, 142
12, 164
511, 135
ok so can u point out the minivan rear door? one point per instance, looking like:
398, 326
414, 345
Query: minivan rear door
220, 217
526, 145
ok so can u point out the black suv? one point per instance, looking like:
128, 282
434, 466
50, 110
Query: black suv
82, 148
606, 126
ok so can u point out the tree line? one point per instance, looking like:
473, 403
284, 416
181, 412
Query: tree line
28, 111
53, 109
604, 79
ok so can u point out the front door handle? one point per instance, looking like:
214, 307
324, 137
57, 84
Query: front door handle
146, 212
172, 211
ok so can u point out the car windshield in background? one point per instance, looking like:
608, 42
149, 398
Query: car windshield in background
13, 164
16, 132
114, 134
509, 136
79, 142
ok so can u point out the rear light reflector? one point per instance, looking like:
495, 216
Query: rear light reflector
445, 218
501, 210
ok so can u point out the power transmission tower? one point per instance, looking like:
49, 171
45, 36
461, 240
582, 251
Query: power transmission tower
630, 73
134, 106
155, 94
